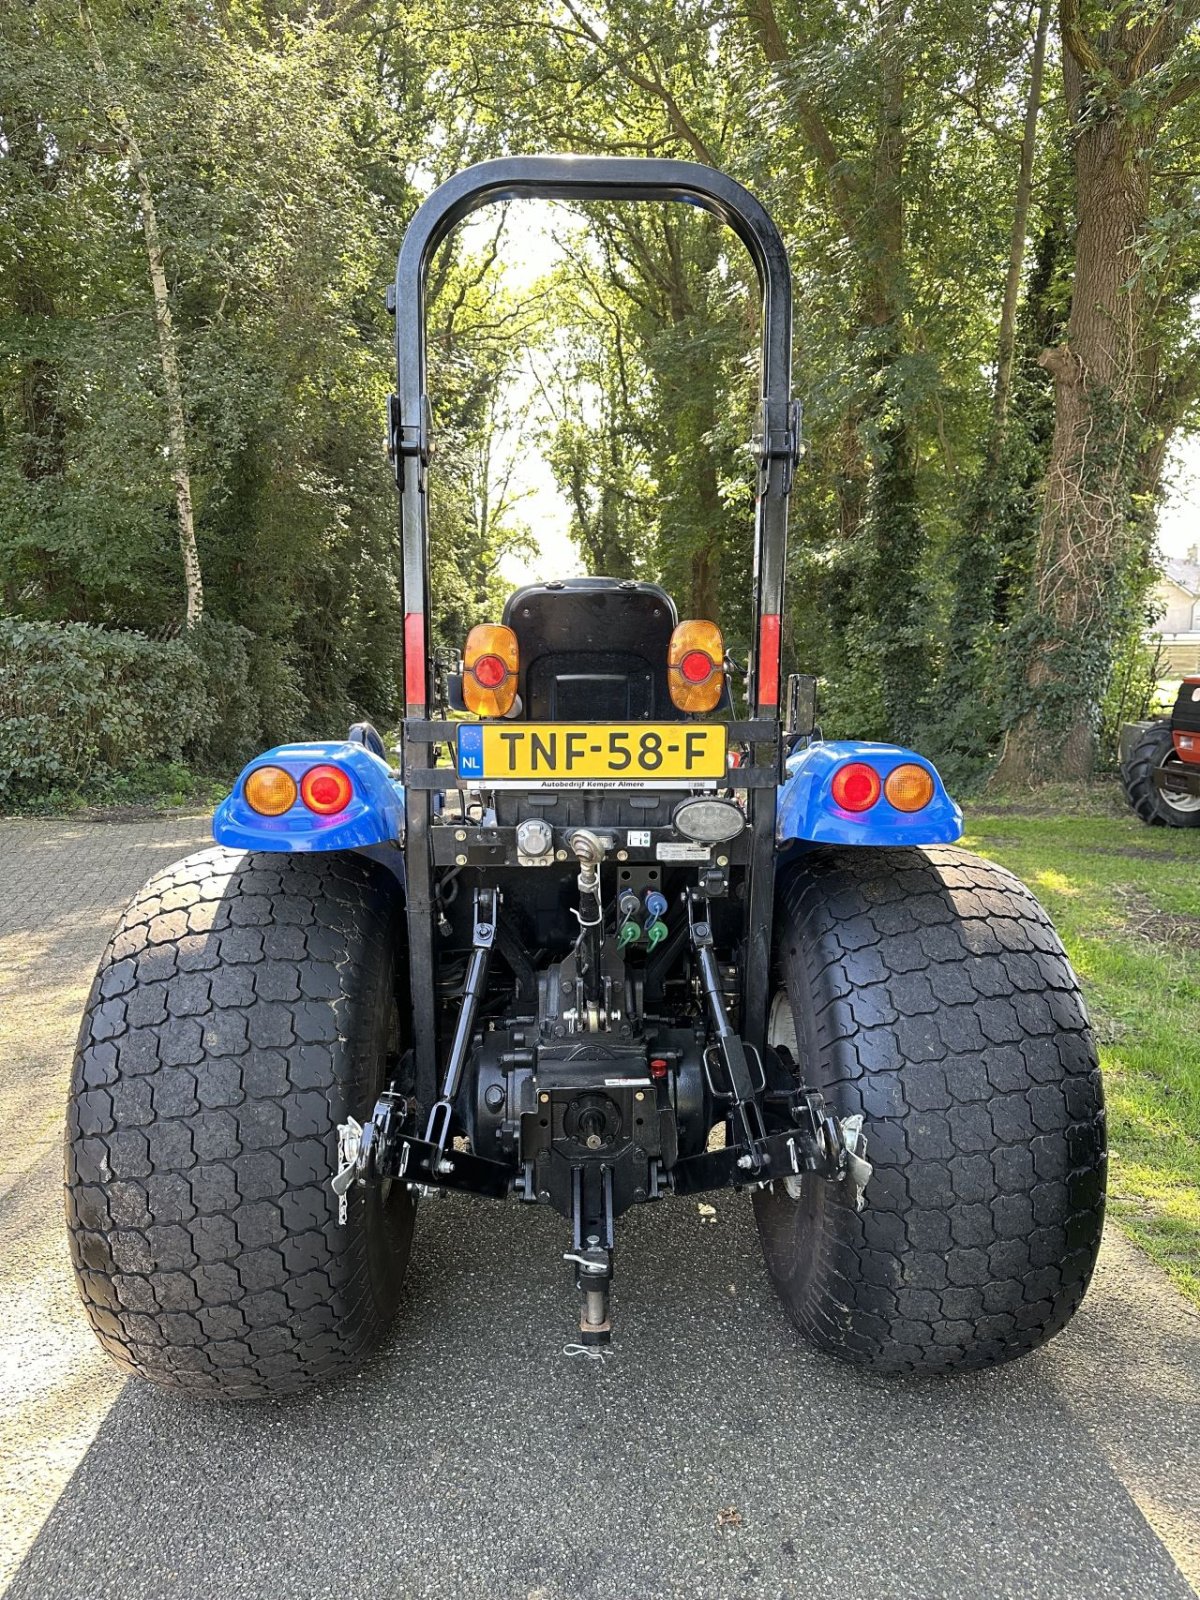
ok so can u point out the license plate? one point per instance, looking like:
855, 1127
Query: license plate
591, 755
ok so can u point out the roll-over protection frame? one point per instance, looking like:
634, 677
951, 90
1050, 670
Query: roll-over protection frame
776, 444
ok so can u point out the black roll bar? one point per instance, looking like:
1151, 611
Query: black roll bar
560, 177
596, 178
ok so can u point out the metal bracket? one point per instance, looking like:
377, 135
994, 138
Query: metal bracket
592, 1250
777, 437
405, 439
746, 1109
437, 1131
423, 1165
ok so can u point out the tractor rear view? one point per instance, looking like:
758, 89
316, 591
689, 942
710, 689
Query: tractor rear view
1160, 763
618, 928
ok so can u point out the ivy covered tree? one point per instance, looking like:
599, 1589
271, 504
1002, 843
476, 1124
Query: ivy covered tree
1128, 72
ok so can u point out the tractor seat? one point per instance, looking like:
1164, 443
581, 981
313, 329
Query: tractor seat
593, 650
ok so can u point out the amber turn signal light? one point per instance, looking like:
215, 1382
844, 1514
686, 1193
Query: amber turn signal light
490, 662
270, 791
909, 787
696, 666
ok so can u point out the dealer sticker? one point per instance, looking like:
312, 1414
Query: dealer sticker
683, 852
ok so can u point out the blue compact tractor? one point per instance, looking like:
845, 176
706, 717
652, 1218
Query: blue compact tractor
615, 927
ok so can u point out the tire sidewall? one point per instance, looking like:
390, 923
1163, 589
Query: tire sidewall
379, 1220
808, 1226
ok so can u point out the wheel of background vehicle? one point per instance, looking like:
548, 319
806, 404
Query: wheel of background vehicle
245, 1005
927, 990
1154, 750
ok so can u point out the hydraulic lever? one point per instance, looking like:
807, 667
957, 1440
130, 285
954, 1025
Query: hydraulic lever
589, 849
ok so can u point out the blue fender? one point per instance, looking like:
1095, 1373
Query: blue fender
375, 815
808, 811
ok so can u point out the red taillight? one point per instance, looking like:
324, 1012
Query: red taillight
490, 672
697, 667
856, 786
326, 790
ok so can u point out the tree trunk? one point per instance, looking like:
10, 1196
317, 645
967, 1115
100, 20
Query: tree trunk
1085, 543
968, 680
893, 579
1121, 82
164, 329
1007, 340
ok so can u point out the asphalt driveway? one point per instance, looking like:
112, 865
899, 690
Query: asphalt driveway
711, 1455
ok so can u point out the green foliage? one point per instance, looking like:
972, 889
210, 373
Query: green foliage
77, 700
286, 146
1133, 686
253, 698
145, 789
280, 174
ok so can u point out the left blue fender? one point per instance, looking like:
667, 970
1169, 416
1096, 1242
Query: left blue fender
375, 815
808, 811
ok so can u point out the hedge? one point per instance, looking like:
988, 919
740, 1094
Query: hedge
77, 700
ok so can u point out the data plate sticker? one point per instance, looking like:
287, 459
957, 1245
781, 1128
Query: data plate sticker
683, 852
591, 755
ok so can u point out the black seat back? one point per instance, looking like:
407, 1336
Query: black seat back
593, 650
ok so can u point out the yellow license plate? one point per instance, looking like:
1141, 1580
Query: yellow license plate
577, 755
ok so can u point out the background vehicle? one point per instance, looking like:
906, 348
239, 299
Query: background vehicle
1160, 763
639, 907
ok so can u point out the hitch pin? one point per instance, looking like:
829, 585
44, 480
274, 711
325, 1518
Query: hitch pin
588, 1263
349, 1143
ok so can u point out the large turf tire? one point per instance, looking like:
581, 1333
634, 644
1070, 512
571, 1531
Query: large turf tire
928, 991
245, 1005
1153, 749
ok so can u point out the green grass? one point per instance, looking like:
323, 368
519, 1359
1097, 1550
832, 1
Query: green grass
149, 788
1126, 901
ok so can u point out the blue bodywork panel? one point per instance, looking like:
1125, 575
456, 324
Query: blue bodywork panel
808, 811
374, 816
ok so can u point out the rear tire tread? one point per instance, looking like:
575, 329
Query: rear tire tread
931, 994
230, 1027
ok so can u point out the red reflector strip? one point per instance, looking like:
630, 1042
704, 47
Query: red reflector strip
768, 661
414, 659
